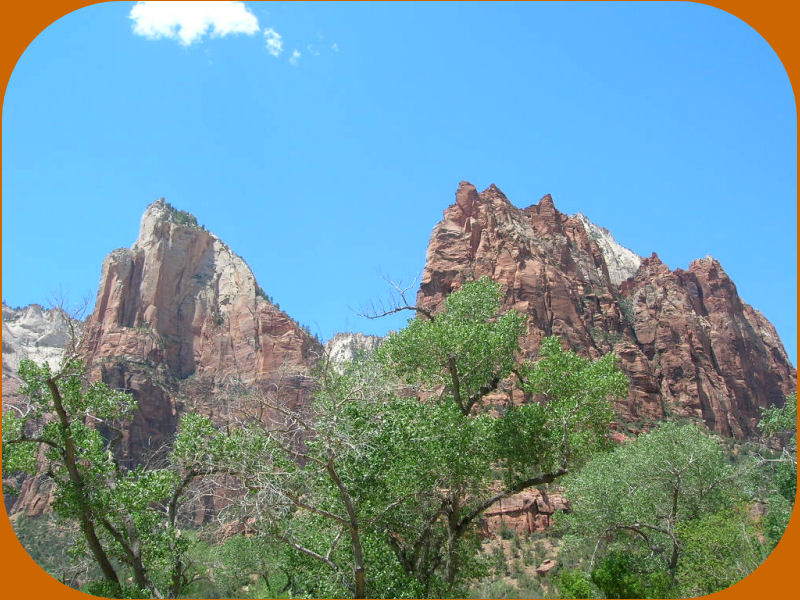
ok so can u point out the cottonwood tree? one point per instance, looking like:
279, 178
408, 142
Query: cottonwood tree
638, 505
776, 466
126, 516
292, 471
451, 454
377, 487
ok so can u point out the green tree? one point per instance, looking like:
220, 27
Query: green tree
642, 498
718, 550
119, 510
776, 466
447, 445
378, 485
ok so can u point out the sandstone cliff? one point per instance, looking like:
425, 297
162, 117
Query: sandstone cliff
181, 324
689, 344
179, 317
37, 334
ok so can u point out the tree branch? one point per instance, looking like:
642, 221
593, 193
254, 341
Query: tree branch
546, 478
484, 389
386, 313
308, 551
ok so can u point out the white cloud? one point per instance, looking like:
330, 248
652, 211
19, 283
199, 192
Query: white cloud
274, 42
335, 47
188, 22
295, 58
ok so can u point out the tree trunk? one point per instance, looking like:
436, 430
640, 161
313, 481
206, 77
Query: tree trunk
85, 515
359, 567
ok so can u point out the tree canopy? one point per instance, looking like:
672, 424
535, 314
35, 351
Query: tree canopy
121, 512
377, 487
671, 513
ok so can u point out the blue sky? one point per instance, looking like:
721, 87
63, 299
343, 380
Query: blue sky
323, 141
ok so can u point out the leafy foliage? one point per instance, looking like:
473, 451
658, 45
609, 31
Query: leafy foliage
376, 488
618, 575
78, 424
778, 471
670, 515
636, 498
718, 550
573, 583
469, 348
781, 421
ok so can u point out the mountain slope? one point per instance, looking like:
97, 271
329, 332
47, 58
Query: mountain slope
689, 344
179, 317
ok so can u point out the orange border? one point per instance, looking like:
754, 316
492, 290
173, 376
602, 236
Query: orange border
775, 20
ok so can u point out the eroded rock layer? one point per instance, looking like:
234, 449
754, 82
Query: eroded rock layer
689, 344
179, 317
181, 324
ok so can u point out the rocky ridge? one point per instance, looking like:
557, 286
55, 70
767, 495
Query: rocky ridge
35, 333
689, 344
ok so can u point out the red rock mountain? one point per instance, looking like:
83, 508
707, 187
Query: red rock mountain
178, 317
179, 322
689, 344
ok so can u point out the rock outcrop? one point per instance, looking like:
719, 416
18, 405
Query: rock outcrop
179, 318
689, 344
345, 347
181, 324
37, 334
527, 512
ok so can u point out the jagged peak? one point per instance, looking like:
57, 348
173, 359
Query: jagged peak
706, 260
707, 264
465, 184
494, 193
159, 213
466, 197
546, 201
652, 260
164, 211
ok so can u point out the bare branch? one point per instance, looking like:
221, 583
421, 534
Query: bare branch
398, 302
297, 546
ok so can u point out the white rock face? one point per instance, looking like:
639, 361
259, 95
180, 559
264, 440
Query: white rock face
35, 333
621, 262
345, 347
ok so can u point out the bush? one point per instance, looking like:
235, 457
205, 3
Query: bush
506, 532
573, 583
